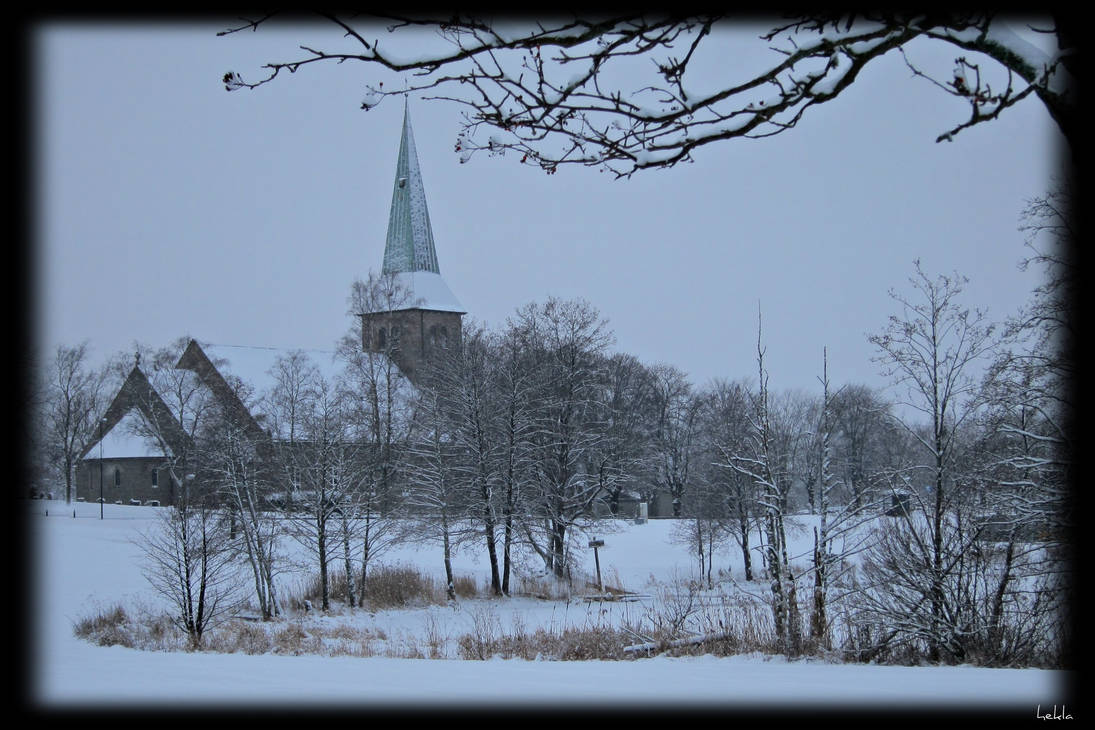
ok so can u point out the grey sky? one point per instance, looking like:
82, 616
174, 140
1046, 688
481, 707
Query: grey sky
169, 206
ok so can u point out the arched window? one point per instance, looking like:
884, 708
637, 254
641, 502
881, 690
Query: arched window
117, 477
381, 338
155, 478
444, 337
433, 336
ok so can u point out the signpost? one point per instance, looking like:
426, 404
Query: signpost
595, 543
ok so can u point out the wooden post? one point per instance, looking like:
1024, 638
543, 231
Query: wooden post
595, 543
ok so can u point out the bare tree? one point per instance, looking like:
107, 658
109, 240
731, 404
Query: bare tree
379, 405
462, 404
793, 415
325, 472
727, 429
861, 424
619, 92
513, 432
71, 406
236, 465
191, 562
566, 340
841, 532
677, 412
759, 462
435, 466
932, 348
623, 460
1034, 377
1027, 445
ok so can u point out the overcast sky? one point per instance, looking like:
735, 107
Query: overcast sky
168, 206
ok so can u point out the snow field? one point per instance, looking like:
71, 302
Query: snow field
82, 564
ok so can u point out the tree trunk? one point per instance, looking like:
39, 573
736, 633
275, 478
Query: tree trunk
507, 542
743, 523
450, 582
348, 562
321, 544
558, 548
365, 557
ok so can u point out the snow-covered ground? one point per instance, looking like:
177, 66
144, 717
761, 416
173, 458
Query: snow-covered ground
82, 564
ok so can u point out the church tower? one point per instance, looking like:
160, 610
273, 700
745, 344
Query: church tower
419, 318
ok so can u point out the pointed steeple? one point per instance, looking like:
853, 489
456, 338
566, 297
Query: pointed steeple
410, 237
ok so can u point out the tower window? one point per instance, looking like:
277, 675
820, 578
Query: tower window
117, 477
155, 478
381, 338
444, 337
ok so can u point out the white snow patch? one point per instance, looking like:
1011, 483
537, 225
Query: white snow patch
128, 439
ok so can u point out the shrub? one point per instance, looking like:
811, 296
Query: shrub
399, 587
249, 638
465, 586
108, 627
290, 640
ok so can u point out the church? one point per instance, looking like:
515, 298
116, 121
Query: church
418, 319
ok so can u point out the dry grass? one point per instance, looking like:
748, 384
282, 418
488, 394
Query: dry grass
400, 587
107, 627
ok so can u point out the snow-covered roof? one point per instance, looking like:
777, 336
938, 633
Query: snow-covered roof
127, 439
428, 291
256, 366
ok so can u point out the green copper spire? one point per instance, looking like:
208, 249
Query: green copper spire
410, 237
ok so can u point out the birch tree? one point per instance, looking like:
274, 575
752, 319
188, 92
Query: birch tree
758, 464
842, 530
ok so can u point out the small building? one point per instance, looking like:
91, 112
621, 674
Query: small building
900, 504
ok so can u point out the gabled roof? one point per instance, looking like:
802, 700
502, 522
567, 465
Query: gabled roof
257, 368
138, 394
195, 360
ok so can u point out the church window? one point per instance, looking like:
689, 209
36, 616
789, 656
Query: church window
444, 337
155, 478
117, 477
381, 338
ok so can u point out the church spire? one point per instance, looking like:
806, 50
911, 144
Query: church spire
410, 237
